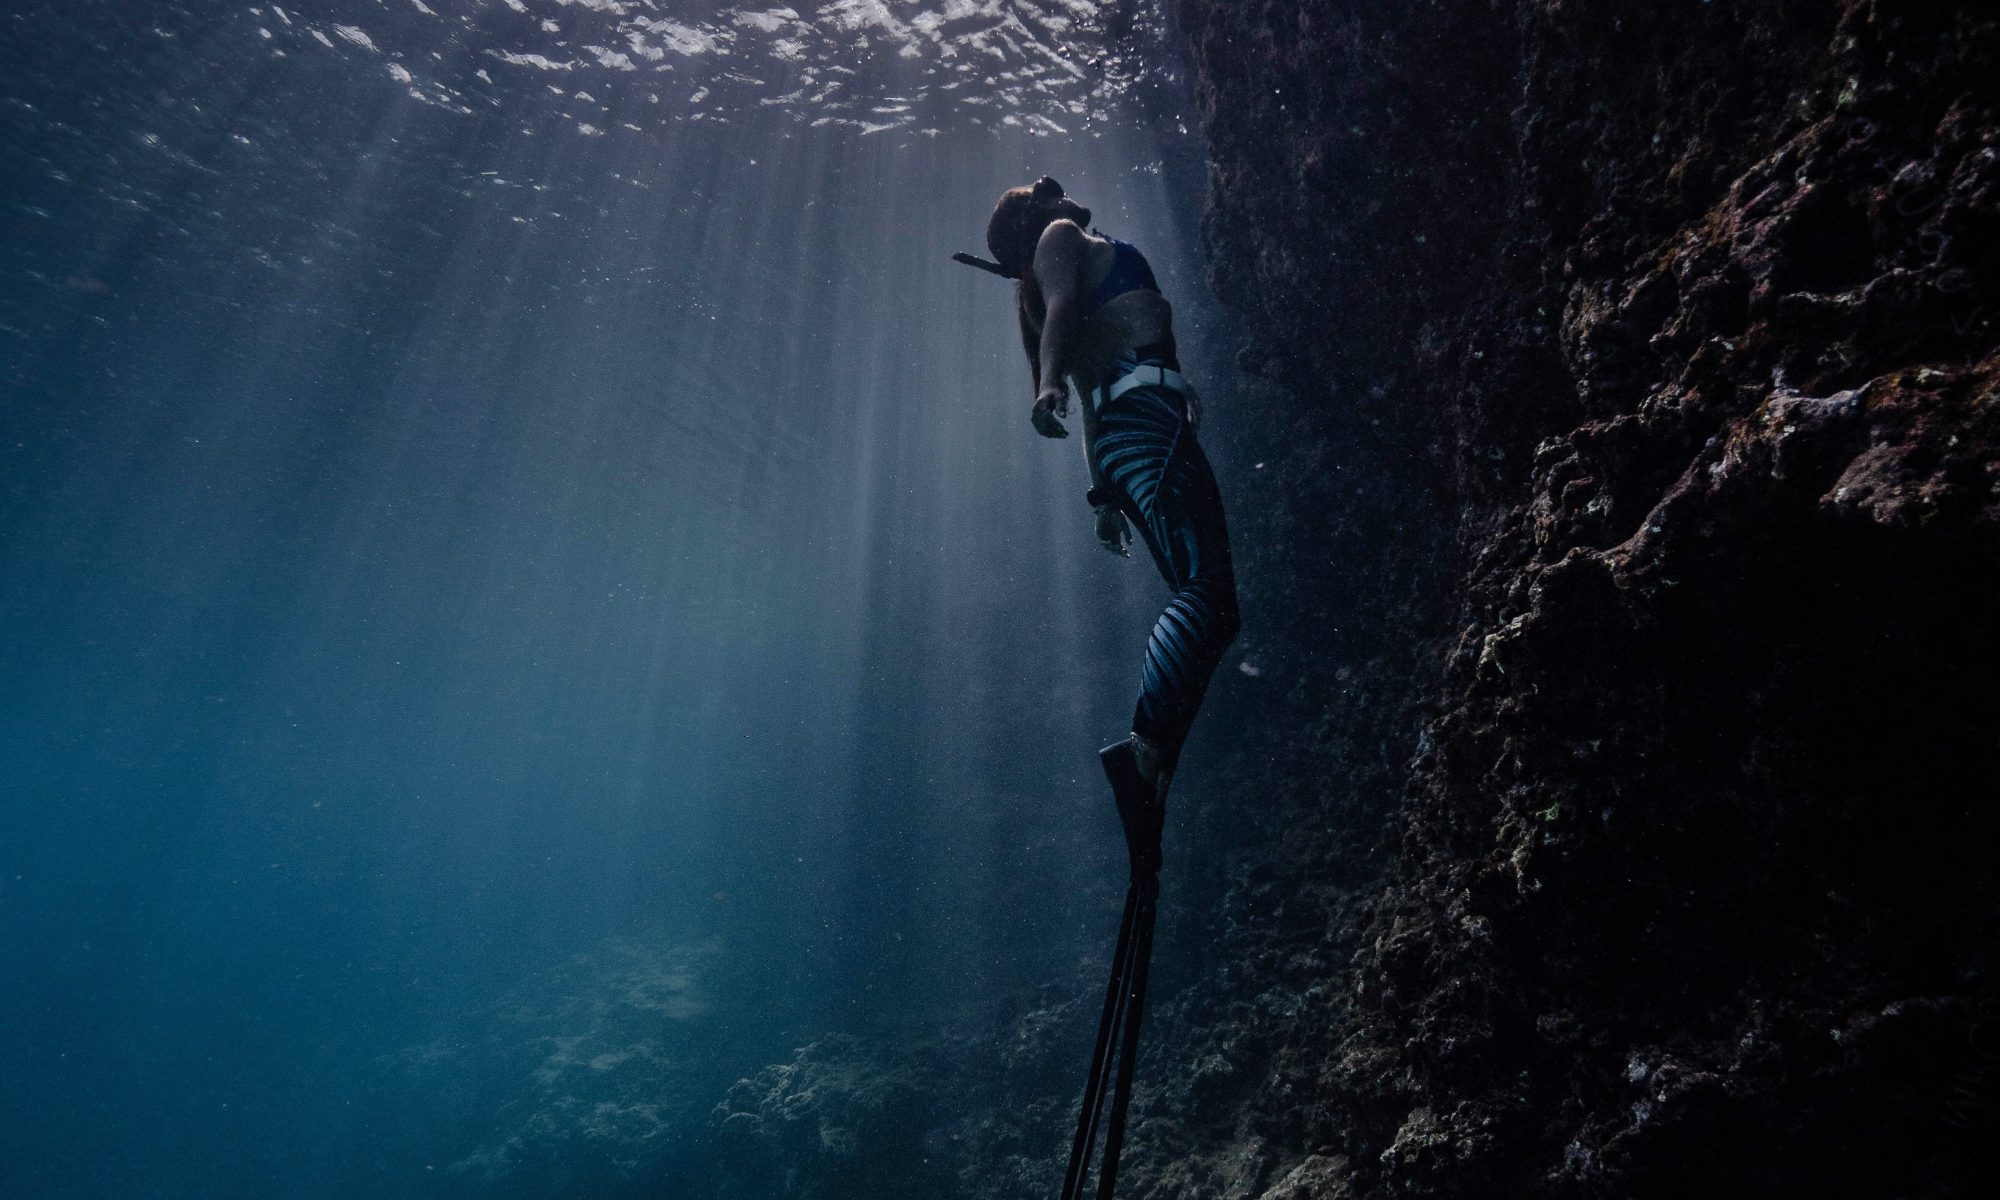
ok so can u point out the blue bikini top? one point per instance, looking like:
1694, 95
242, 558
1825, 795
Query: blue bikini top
1129, 273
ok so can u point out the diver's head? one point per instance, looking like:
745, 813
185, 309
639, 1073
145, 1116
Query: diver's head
1018, 220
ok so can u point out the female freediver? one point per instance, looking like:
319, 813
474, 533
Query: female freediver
1091, 313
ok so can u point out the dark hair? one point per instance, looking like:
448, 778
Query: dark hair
1017, 222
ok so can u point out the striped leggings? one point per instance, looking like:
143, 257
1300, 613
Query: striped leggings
1149, 459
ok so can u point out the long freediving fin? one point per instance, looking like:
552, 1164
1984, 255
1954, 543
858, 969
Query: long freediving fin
1142, 811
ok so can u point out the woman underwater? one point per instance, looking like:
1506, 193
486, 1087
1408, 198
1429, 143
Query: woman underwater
1091, 313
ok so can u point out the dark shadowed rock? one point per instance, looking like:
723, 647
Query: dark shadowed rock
1634, 532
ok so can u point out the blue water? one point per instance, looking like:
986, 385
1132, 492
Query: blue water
527, 592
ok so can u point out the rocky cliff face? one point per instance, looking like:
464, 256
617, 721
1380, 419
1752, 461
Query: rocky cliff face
1630, 536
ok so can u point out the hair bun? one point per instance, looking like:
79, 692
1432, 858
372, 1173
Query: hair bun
1047, 189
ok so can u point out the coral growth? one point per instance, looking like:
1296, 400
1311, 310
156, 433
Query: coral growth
840, 1119
589, 1076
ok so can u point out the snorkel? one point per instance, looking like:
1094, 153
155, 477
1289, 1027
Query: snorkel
984, 264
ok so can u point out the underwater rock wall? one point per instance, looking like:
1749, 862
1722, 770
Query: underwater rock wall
1631, 510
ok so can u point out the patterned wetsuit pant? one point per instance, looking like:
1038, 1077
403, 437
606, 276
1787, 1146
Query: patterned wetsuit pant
1149, 459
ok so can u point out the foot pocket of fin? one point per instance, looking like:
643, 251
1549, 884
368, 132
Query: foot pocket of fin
1141, 806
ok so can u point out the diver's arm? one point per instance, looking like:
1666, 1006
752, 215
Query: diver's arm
1090, 445
1058, 265
1031, 344
1112, 530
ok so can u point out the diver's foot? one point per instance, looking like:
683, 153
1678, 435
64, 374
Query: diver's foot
1148, 758
1141, 804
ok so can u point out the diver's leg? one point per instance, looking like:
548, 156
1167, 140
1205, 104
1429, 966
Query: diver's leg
1163, 480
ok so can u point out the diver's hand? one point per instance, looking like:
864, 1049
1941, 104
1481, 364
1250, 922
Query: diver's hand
1053, 402
1113, 531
